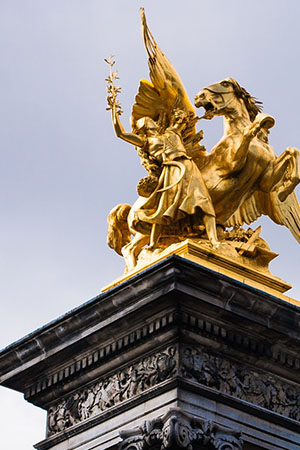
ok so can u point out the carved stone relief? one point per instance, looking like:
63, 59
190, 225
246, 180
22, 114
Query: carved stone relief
227, 377
241, 382
112, 390
178, 430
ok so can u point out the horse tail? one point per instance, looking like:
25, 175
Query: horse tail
118, 233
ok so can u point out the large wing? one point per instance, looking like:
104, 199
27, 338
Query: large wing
166, 91
285, 213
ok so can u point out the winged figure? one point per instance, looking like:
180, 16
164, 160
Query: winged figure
188, 191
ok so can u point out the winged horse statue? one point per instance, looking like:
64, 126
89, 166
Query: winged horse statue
189, 192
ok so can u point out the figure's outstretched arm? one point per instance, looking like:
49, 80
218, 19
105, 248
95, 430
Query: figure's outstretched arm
121, 133
114, 105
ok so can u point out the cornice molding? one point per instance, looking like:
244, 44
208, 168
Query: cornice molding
174, 276
199, 325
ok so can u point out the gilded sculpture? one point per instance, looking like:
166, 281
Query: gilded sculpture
193, 194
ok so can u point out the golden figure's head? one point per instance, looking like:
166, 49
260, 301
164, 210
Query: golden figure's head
146, 125
179, 116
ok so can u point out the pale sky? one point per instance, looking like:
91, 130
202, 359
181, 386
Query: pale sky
62, 168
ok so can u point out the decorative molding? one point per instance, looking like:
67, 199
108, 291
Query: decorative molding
198, 324
178, 430
110, 391
240, 381
214, 371
239, 340
97, 357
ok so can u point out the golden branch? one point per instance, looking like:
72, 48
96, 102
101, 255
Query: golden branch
111, 88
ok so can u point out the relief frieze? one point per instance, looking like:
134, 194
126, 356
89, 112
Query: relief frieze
214, 371
241, 381
110, 391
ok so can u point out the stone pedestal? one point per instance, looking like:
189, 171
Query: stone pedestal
176, 357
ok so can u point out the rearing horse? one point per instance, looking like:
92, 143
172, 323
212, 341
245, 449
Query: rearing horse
243, 176
243, 162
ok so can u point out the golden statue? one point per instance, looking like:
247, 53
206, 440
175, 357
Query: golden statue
192, 194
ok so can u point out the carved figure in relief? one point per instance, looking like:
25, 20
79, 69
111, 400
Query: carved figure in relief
58, 418
96, 404
135, 379
188, 192
246, 384
223, 375
103, 398
165, 365
111, 391
199, 367
87, 404
229, 382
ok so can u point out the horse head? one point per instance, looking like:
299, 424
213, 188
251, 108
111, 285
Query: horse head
225, 98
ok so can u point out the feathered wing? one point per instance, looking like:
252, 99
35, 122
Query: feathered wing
285, 213
165, 92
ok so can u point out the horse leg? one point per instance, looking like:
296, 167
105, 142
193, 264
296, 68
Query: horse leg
241, 154
131, 251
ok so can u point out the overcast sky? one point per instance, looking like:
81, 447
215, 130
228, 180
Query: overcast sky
62, 168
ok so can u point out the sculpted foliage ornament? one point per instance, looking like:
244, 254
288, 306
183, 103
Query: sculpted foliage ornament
190, 193
178, 430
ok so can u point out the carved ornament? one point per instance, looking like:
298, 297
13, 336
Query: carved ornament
178, 430
110, 391
241, 381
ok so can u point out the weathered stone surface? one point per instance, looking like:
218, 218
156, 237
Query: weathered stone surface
110, 391
177, 335
178, 430
240, 381
225, 376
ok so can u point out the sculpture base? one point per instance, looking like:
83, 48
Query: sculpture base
179, 356
225, 259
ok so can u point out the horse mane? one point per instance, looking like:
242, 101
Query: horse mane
252, 105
